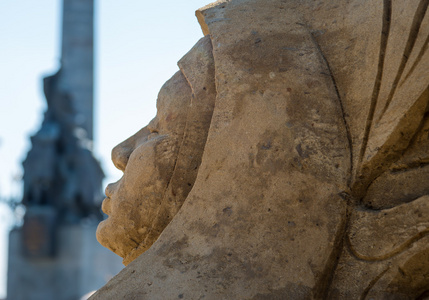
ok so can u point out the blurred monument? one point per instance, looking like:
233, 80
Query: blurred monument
55, 254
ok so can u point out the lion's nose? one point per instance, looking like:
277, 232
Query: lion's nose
120, 155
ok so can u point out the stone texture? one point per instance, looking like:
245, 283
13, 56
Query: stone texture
165, 156
312, 179
386, 255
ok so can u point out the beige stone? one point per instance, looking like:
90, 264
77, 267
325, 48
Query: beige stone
307, 180
160, 162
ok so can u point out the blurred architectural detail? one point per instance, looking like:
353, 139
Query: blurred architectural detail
60, 171
55, 254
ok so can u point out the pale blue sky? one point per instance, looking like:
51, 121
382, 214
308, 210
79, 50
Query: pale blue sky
137, 46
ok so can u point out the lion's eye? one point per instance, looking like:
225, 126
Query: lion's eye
153, 133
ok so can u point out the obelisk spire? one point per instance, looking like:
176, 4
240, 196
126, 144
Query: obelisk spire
77, 59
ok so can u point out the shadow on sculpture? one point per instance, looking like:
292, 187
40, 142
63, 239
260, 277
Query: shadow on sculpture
308, 175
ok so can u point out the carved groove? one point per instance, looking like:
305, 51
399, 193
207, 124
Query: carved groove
364, 185
372, 283
349, 136
412, 37
418, 59
324, 283
409, 167
387, 14
396, 251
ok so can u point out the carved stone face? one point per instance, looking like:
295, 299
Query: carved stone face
161, 161
134, 203
313, 183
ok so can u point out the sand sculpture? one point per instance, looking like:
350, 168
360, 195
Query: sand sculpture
288, 159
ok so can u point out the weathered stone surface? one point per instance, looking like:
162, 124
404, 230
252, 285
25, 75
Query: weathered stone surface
406, 179
386, 255
165, 156
312, 180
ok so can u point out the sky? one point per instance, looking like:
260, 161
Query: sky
137, 46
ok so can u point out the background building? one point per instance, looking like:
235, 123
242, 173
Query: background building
55, 254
